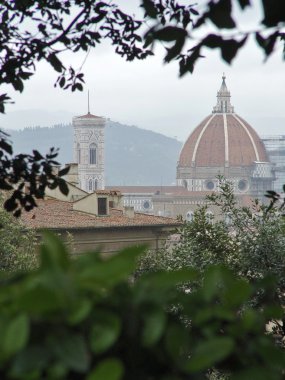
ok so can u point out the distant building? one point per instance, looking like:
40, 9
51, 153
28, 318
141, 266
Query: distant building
225, 144
88, 151
275, 147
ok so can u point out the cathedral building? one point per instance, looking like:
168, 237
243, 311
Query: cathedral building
225, 144
222, 144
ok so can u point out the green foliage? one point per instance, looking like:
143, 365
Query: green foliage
17, 244
84, 319
248, 240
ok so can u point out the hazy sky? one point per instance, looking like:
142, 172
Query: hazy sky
150, 95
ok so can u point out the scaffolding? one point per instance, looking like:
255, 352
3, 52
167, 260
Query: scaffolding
275, 147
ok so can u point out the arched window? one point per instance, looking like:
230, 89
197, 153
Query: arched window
92, 154
190, 216
185, 184
90, 185
78, 154
95, 184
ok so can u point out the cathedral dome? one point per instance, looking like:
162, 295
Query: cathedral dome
224, 143
222, 139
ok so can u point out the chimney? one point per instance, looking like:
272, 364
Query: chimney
129, 212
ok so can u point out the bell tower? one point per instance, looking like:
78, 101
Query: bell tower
88, 150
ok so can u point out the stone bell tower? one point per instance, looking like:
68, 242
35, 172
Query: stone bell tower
88, 151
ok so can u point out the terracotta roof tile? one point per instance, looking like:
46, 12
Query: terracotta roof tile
52, 213
243, 144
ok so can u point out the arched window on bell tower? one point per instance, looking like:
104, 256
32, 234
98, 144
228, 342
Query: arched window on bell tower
92, 154
95, 184
78, 153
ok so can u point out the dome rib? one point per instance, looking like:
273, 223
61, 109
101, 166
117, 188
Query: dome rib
250, 136
199, 139
226, 140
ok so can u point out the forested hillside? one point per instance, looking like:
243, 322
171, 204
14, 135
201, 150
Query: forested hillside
133, 156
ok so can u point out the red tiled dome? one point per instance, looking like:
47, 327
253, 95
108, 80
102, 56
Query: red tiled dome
222, 139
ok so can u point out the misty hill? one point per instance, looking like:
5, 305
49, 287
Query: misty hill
133, 156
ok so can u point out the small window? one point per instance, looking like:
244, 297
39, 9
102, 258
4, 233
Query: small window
90, 185
92, 154
210, 185
102, 206
242, 185
96, 184
190, 216
146, 205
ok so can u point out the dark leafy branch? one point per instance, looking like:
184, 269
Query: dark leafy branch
179, 25
33, 31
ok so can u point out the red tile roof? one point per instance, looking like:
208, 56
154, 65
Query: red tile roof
52, 213
206, 144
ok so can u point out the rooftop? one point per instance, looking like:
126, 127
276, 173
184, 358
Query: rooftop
56, 214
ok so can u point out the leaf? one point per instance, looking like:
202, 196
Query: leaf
220, 14
149, 7
79, 86
187, 62
244, 3
6, 146
37, 155
109, 369
55, 62
170, 33
268, 43
209, 353
18, 84
10, 204
16, 335
71, 350
274, 12
63, 187
112, 270
230, 48
105, 331
154, 325
64, 171
30, 359
177, 342
53, 252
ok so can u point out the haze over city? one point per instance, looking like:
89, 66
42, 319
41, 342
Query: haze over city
149, 94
